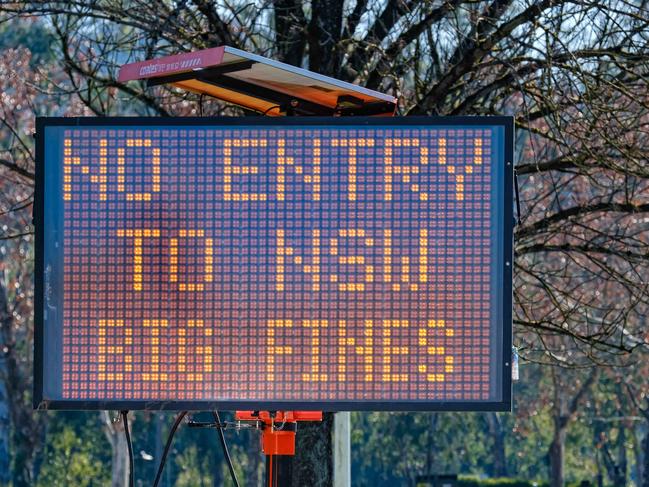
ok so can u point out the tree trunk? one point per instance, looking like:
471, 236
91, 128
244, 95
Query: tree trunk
637, 455
557, 453
499, 468
324, 35
622, 463
645, 466
600, 473
119, 466
564, 410
289, 31
5, 425
28, 425
114, 430
622, 460
313, 461
432, 444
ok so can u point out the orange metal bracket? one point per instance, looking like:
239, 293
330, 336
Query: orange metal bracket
278, 432
278, 440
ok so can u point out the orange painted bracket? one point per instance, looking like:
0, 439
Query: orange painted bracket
274, 440
278, 442
280, 416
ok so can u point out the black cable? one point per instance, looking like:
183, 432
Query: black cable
518, 198
271, 108
170, 438
200, 104
224, 445
131, 470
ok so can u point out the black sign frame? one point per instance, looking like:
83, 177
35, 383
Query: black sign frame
41, 290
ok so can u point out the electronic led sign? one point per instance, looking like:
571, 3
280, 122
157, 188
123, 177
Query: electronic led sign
335, 264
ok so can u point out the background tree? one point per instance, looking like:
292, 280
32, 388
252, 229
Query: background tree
568, 394
16, 266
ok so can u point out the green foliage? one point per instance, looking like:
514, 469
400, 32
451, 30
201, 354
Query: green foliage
532, 426
497, 482
193, 469
73, 459
471, 481
28, 33
445, 443
460, 443
580, 457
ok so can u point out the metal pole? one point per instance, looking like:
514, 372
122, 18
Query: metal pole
279, 446
279, 470
342, 450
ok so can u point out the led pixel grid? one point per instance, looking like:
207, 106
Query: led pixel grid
317, 263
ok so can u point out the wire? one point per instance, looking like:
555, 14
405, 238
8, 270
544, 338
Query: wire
518, 197
271, 108
200, 104
170, 438
226, 453
131, 470
280, 427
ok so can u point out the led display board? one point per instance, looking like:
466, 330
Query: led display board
255, 263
